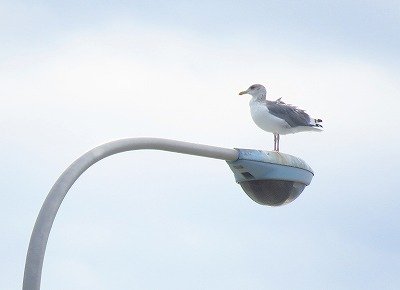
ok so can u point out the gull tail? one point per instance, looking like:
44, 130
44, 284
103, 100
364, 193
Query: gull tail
316, 124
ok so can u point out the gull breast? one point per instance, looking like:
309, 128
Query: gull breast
266, 121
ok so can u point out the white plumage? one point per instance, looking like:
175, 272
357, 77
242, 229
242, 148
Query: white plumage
278, 117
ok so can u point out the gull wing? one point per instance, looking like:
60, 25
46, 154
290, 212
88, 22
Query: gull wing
292, 115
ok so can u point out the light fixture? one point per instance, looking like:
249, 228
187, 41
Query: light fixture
269, 178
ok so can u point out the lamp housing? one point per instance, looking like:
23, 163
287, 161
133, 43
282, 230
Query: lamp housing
270, 177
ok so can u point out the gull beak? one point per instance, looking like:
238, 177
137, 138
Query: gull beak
242, 93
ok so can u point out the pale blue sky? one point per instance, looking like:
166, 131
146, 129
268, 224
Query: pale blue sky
76, 74
362, 28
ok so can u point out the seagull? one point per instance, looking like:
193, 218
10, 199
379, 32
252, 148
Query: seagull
278, 117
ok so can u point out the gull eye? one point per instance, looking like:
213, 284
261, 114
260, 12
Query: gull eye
252, 87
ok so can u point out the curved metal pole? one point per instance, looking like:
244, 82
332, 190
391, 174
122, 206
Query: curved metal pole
48, 212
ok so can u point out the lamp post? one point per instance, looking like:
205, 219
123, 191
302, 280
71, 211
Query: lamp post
270, 178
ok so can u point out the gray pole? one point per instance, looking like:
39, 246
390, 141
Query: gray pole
48, 212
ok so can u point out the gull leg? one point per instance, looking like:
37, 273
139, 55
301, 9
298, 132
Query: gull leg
277, 138
275, 141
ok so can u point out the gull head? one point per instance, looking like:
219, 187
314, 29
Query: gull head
257, 91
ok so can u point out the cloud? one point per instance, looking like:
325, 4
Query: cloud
182, 216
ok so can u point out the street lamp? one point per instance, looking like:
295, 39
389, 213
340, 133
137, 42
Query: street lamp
269, 178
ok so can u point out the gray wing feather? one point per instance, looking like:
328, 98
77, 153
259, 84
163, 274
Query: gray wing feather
293, 116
